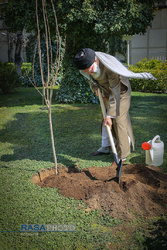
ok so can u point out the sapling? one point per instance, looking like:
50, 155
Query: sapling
52, 65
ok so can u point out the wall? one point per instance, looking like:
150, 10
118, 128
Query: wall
154, 43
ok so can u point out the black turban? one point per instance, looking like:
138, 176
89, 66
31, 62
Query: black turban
84, 58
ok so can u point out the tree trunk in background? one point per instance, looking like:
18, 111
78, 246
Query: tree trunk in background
18, 59
10, 47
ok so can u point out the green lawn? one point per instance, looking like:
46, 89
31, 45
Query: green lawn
25, 147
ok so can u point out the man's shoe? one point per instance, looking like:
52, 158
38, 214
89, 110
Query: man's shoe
101, 151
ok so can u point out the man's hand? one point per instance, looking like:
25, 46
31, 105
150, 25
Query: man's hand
108, 121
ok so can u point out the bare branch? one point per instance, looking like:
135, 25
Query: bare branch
33, 84
58, 58
49, 37
46, 37
39, 44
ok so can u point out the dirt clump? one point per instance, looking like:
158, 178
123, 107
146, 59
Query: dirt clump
142, 189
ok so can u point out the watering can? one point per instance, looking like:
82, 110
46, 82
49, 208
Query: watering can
154, 156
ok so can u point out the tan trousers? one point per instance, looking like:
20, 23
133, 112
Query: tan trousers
122, 127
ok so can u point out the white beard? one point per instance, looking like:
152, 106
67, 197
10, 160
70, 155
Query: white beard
97, 71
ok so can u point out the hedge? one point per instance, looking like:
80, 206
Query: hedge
25, 68
73, 86
157, 68
9, 78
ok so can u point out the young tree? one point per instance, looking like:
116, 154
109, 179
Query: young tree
48, 83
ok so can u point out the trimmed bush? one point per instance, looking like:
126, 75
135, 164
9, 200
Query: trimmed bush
9, 79
25, 68
157, 68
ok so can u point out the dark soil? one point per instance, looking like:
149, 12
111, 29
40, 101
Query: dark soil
142, 190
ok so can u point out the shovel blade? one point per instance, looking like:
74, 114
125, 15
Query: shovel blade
119, 167
119, 171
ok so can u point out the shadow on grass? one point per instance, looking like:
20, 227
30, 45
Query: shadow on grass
29, 135
20, 97
158, 236
138, 159
77, 131
23, 97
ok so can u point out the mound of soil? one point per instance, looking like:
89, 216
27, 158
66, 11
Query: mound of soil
142, 190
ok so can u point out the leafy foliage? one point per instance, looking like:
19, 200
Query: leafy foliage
116, 44
9, 79
92, 23
25, 68
18, 15
158, 70
86, 23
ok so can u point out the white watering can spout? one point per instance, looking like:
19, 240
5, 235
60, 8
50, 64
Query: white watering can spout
154, 156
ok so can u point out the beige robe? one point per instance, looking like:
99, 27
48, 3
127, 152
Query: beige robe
118, 94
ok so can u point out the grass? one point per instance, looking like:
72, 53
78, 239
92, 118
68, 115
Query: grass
25, 147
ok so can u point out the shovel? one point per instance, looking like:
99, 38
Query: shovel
119, 163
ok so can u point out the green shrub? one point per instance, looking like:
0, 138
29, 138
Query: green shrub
74, 88
25, 68
9, 79
157, 68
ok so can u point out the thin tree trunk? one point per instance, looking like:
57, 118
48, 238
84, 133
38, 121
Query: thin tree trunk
52, 137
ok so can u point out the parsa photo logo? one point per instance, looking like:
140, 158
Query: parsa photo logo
47, 228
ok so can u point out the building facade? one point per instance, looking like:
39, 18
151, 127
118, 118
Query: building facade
154, 43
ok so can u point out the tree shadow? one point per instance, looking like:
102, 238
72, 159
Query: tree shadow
138, 159
158, 236
77, 131
20, 97
29, 136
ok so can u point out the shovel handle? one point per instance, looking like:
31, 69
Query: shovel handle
108, 128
